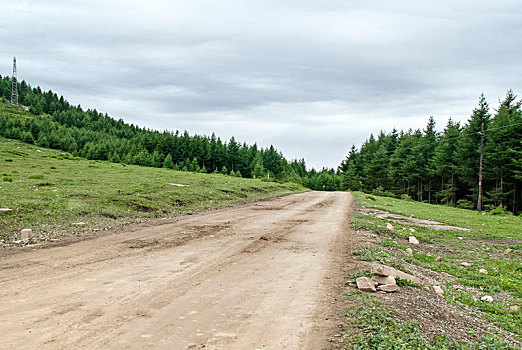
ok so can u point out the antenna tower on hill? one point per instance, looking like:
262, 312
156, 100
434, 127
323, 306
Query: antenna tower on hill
14, 85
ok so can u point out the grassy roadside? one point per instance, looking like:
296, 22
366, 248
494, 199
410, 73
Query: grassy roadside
57, 194
493, 244
373, 326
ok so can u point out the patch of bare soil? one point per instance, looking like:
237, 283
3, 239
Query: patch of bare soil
438, 317
409, 220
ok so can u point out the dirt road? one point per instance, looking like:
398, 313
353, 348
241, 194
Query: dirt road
257, 276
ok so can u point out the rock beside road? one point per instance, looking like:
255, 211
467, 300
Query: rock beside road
365, 284
388, 288
383, 270
26, 234
413, 240
384, 279
438, 290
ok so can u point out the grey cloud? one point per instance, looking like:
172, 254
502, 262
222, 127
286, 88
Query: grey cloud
311, 77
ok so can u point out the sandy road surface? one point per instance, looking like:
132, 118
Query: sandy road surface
257, 276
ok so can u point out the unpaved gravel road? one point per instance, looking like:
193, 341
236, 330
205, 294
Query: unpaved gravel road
258, 276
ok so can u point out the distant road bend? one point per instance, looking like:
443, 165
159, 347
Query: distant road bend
255, 276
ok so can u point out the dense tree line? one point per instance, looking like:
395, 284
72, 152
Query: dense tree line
93, 135
443, 167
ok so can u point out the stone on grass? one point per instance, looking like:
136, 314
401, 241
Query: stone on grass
438, 290
5, 210
487, 298
383, 280
409, 252
26, 234
507, 251
412, 229
365, 284
484, 271
383, 270
388, 288
514, 308
437, 258
413, 240
460, 238
389, 226
465, 264
407, 277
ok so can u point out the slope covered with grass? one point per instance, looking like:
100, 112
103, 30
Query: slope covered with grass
57, 194
486, 260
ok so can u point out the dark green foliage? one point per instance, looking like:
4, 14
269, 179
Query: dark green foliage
443, 167
52, 122
167, 163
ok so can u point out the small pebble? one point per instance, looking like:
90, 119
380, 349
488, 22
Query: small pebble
487, 298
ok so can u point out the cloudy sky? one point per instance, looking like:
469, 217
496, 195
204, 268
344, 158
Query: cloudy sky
310, 77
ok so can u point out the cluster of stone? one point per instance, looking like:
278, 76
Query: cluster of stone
384, 279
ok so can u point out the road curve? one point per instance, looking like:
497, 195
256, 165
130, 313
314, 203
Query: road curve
254, 276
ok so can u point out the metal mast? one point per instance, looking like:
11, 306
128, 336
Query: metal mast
14, 85
479, 201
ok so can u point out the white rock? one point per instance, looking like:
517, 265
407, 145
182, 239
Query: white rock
383, 280
487, 298
413, 240
389, 226
465, 264
388, 288
5, 210
383, 270
460, 238
438, 290
409, 251
437, 258
412, 229
507, 251
26, 234
365, 284
79, 223
484, 271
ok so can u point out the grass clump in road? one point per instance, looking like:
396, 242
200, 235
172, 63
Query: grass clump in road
487, 260
57, 194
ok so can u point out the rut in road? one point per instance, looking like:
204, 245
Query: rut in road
256, 276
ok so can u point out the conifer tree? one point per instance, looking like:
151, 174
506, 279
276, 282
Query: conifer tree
167, 163
468, 155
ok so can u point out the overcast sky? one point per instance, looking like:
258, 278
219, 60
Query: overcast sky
310, 77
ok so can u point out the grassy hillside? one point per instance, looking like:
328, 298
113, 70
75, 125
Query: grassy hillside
57, 194
487, 260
